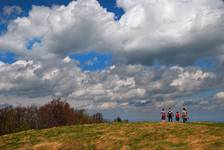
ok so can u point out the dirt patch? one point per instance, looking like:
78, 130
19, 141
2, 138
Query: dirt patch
73, 144
47, 145
174, 140
124, 147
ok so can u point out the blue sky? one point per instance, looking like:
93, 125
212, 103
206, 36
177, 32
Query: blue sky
93, 61
7, 57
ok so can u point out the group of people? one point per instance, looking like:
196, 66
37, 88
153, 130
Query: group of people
170, 115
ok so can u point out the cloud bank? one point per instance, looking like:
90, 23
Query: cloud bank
120, 86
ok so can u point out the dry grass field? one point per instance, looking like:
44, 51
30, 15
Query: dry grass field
120, 136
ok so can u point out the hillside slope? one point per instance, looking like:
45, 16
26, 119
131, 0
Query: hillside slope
142, 135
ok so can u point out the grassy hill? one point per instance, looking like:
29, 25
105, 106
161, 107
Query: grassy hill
124, 136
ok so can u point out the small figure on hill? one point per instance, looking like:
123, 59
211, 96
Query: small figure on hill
163, 115
170, 115
184, 115
177, 116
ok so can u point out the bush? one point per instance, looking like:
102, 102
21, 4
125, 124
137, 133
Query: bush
118, 119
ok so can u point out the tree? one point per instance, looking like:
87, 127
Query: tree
55, 113
97, 118
7, 120
118, 119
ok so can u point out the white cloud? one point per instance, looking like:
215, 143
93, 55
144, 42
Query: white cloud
148, 29
51, 74
8, 10
218, 99
219, 95
108, 105
124, 86
67, 59
62, 29
191, 80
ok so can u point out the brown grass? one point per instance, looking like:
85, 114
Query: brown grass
46, 145
120, 136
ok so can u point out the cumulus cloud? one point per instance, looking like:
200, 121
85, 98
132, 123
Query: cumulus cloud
119, 86
26, 78
8, 10
192, 79
149, 29
219, 95
219, 98
108, 105
62, 29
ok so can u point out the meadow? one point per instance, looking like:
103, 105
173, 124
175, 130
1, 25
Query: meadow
120, 136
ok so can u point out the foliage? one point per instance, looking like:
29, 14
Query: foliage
54, 113
118, 119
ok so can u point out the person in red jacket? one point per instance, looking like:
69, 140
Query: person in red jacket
177, 116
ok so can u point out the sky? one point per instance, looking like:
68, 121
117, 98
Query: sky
127, 58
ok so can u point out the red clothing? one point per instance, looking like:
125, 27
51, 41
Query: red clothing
163, 113
177, 115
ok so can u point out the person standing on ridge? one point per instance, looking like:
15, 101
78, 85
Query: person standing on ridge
170, 115
184, 115
163, 115
177, 116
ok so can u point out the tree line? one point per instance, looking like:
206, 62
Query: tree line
55, 113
